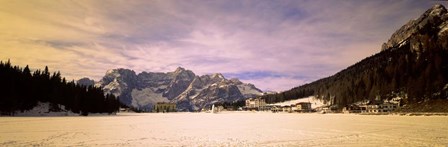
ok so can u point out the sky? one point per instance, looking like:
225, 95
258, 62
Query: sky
276, 45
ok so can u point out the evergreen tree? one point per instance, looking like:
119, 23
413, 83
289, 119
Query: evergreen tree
21, 91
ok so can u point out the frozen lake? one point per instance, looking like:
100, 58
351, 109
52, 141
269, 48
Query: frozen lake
225, 129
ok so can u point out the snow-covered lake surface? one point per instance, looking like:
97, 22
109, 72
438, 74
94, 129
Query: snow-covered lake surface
225, 129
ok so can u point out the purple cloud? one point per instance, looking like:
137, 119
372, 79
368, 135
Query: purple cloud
275, 45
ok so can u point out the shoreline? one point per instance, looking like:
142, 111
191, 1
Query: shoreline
413, 114
226, 112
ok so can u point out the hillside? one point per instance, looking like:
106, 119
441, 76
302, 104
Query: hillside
412, 65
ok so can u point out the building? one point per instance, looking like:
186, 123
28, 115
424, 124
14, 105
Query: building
352, 109
255, 104
298, 107
371, 108
164, 107
295, 108
275, 108
124, 110
385, 107
286, 109
216, 109
389, 107
219, 109
302, 107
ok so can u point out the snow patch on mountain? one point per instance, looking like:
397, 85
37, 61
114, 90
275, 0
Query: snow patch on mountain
43, 109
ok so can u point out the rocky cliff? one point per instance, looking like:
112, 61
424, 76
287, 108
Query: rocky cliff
434, 18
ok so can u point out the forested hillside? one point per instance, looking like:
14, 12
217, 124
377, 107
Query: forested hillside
413, 65
21, 89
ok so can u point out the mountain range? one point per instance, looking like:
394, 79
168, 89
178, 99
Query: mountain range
189, 91
412, 65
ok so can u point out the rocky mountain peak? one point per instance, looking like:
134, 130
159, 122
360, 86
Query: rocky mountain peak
432, 19
182, 73
119, 70
218, 75
236, 81
179, 70
182, 86
437, 10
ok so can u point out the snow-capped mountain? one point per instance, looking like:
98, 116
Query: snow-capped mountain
190, 92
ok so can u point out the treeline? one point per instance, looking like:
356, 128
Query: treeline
232, 105
417, 70
21, 89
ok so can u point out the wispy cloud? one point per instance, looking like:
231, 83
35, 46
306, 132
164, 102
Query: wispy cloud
274, 44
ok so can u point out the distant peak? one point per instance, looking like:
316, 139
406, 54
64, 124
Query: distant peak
236, 80
84, 78
120, 71
218, 75
437, 9
438, 6
179, 69
113, 71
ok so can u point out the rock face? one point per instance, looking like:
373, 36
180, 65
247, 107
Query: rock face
189, 91
119, 82
434, 18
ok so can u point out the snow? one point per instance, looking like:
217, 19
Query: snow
315, 103
42, 109
111, 71
197, 92
402, 43
225, 129
114, 86
218, 75
443, 28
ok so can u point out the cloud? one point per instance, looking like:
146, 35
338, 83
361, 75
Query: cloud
275, 45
